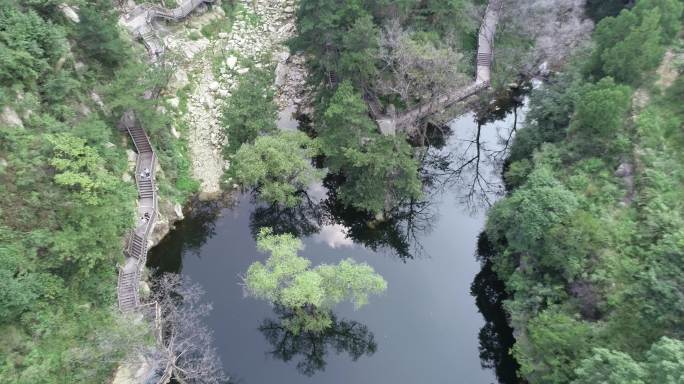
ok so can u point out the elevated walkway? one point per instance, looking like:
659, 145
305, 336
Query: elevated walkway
136, 247
406, 120
141, 22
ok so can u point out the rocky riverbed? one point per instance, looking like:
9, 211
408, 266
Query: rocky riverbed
210, 65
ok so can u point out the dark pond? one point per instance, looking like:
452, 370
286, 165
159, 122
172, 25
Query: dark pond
426, 328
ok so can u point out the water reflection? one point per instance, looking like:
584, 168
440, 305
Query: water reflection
311, 348
397, 231
496, 336
197, 226
426, 321
301, 221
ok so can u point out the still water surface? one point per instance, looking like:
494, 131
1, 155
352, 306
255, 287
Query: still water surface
424, 328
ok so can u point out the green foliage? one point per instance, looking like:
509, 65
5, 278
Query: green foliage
250, 111
343, 36
98, 35
523, 219
632, 42
609, 367
558, 342
288, 280
29, 45
64, 208
278, 166
81, 168
599, 114
375, 167
664, 364
589, 239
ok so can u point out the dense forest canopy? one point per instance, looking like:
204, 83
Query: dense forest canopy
589, 240
64, 200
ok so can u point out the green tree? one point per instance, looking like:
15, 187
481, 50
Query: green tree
98, 35
250, 111
665, 361
670, 15
609, 367
360, 46
278, 166
288, 280
377, 169
642, 45
80, 168
599, 114
29, 45
522, 220
664, 364
558, 343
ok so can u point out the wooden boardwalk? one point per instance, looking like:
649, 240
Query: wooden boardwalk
136, 247
406, 121
140, 21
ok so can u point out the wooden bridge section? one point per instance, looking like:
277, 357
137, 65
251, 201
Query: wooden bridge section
140, 21
406, 121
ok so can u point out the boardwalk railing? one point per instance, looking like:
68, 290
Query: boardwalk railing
145, 30
404, 121
136, 249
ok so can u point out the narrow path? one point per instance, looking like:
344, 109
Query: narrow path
136, 247
405, 121
140, 22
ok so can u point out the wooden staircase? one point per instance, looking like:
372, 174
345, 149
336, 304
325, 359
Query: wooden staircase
484, 59
136, 249
128, 290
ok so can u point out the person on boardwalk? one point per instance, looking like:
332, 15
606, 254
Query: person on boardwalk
145, 174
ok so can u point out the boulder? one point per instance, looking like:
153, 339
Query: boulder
69, 13
9, 117
231, 62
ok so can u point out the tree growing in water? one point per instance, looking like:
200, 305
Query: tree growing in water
377, 169
288, 280
278, 166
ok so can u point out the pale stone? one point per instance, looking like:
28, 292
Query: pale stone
242, 71
175, 133
9, 117
179, 79
174, 102
80, 66
214, 86
231, 61
178, 209
69, 13
283, 56
281, 74
222, 35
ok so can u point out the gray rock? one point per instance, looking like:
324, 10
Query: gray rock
231, 62
69, 13
9, 117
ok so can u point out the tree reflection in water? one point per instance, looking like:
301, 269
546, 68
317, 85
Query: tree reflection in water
398, 230
302, 220
312, 347
469, 164
189, 235
496, 336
